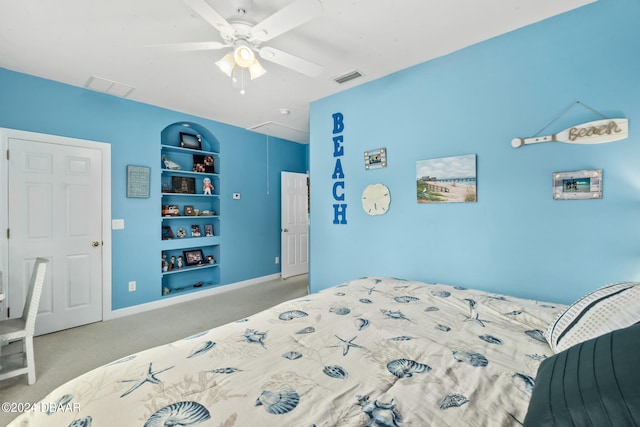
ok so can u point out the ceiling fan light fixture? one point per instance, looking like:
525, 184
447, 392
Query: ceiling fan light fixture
256, 70
226, 64
243, 54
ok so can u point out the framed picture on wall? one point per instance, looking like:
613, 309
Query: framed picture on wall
447, 180
375, 159
577, 185
138, 181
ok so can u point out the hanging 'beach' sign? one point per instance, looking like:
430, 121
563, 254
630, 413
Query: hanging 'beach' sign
598, 132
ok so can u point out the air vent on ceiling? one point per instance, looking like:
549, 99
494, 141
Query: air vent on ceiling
355, 74
108, 86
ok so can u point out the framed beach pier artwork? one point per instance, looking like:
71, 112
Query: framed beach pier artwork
447, 179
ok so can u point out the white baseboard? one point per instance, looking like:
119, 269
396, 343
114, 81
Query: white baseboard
166, 302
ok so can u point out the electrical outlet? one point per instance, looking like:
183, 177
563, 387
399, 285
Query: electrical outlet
277, 260
132, 286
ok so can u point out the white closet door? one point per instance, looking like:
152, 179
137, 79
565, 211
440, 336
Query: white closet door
294, 224
55, 212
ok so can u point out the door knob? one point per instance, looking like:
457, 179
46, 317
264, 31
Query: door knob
95, 244
285, 230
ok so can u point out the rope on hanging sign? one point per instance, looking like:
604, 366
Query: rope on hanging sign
596, 132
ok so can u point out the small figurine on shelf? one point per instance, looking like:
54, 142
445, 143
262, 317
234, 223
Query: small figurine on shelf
207, 186
172, 265
166, 291
179, 262
165, 265
210, 259
169, 164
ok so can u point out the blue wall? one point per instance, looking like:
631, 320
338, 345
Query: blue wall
250, 227
516, 239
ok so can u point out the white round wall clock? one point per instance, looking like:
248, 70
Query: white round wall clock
376, 199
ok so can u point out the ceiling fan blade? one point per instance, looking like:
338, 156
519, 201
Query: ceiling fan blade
291, 61
287, 18
191, 46
202, 8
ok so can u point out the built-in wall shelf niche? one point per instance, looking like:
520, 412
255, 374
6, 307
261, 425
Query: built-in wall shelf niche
190, 209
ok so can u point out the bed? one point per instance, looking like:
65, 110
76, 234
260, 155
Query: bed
375, 351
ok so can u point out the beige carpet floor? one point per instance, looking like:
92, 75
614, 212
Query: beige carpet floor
63, 355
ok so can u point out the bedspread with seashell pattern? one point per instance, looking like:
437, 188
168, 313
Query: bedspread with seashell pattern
375, 351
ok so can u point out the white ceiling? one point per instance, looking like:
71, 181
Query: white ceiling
72, 40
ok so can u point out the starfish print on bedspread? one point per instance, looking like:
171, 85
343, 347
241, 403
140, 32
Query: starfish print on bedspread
346, 345
253, 336
150, 377
371, 289
477, 320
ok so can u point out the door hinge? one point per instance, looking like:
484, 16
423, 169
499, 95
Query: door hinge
8, 155
8, 233
8, 312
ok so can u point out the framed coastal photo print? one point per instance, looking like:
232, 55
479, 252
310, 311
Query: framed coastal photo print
577, 185
375, 159
447, 180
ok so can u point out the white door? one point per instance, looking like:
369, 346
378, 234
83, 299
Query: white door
55, 212
294, 224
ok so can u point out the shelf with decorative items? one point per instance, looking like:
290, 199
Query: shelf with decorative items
189, 268
190, 210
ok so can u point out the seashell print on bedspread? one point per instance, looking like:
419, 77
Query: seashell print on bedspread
374, 351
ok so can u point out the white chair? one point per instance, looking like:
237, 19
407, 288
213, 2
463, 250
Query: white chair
24, 327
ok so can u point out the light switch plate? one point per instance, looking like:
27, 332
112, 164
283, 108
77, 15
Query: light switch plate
117, 224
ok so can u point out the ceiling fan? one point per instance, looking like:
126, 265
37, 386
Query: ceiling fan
245, 38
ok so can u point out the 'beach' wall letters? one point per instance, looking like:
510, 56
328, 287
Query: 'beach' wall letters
339, 209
